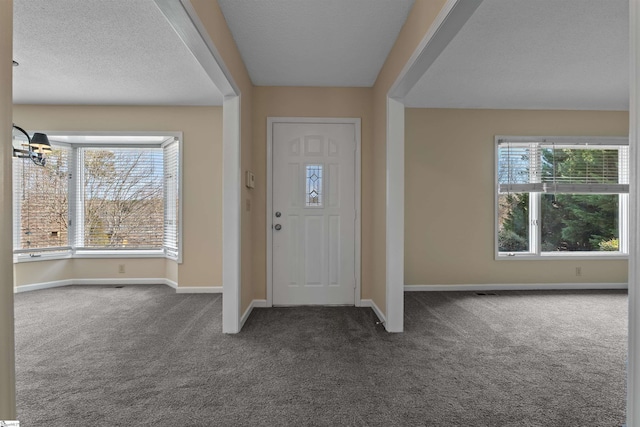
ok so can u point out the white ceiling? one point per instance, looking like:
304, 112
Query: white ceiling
115, 52
543, 54
315, 42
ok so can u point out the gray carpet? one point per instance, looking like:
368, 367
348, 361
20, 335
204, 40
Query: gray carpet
143, 355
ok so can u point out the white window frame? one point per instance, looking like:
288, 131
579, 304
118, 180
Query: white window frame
77, 140
38, 254
535, 230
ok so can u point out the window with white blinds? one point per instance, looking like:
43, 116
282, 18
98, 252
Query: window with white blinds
584, 167
562, 196
115, 197
172, 198
41, 204
121, 199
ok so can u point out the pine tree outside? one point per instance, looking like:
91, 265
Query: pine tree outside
568, 222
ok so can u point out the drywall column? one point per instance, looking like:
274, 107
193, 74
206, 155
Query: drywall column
633, 370
231, 216
395, 216
7, 358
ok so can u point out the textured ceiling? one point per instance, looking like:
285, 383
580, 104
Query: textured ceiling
313, 42
115, 52
543, 54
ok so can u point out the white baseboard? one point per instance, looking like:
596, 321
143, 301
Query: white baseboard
171, 283
44, 285
256, 303
375, 308
198, 289
515, 287
119, 281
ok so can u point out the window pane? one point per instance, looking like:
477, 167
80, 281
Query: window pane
123, 198
41, 201
513, 222
580, 165
314, 185
517, 163
172, 197
578, 222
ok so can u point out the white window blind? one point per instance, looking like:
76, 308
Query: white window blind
120, 198
575, 168
171, 198
40, 203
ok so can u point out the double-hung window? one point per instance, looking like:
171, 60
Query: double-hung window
100, 195
561, 196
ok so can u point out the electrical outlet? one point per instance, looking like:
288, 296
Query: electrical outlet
121, 268
578, 271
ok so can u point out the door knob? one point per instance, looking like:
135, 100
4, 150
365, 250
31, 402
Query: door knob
278, 227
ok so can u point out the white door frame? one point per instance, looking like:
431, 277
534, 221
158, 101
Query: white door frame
358, 184
633, 352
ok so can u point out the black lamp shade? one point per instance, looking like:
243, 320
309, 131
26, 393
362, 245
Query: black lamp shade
40, 141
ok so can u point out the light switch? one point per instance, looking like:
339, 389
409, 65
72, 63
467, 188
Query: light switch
250, 179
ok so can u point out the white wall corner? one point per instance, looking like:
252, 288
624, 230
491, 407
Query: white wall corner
171, 283
256, 303
370, 303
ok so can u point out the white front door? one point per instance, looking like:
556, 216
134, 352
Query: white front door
313, 213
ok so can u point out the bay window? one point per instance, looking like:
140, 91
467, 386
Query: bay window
100, 195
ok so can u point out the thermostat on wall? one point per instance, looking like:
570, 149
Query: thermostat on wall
250, 179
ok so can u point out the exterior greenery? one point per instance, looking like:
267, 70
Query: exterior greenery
569, 222
513, 235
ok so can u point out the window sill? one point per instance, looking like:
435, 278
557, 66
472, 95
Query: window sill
562, 257
84, 254
20, 258
119, 254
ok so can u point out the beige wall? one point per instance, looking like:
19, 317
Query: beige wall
307, 102
418, 22
171, 270
449, 197
30, 273
202, 190
7, 364
213, 20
